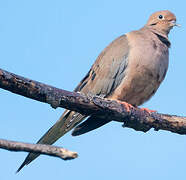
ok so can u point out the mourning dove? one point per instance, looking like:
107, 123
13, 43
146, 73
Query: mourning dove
129, 69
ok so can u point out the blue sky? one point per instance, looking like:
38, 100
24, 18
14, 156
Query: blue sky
56, 42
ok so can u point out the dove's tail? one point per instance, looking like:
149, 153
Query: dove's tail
67, 121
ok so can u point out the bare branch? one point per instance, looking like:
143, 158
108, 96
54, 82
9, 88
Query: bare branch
103, 108
38, 148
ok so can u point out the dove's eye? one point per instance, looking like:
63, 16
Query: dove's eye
160, 16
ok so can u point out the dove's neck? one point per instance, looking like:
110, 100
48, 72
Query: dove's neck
163, 36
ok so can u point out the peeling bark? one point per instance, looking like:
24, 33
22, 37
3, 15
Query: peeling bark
91, 105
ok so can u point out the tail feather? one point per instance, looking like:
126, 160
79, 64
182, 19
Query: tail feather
90, 124
67, 121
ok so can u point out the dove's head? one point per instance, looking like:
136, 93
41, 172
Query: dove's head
162, 21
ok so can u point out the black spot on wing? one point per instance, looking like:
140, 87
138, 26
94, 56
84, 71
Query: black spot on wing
82, 85
119, 74
83, 82
93, 75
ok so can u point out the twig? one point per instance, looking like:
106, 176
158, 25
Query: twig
136, 118
38, 148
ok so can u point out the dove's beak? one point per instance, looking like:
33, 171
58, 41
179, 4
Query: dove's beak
173, 23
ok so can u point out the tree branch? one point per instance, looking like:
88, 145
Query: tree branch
91, 105
38, 148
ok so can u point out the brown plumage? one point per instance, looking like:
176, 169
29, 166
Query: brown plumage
130, 69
